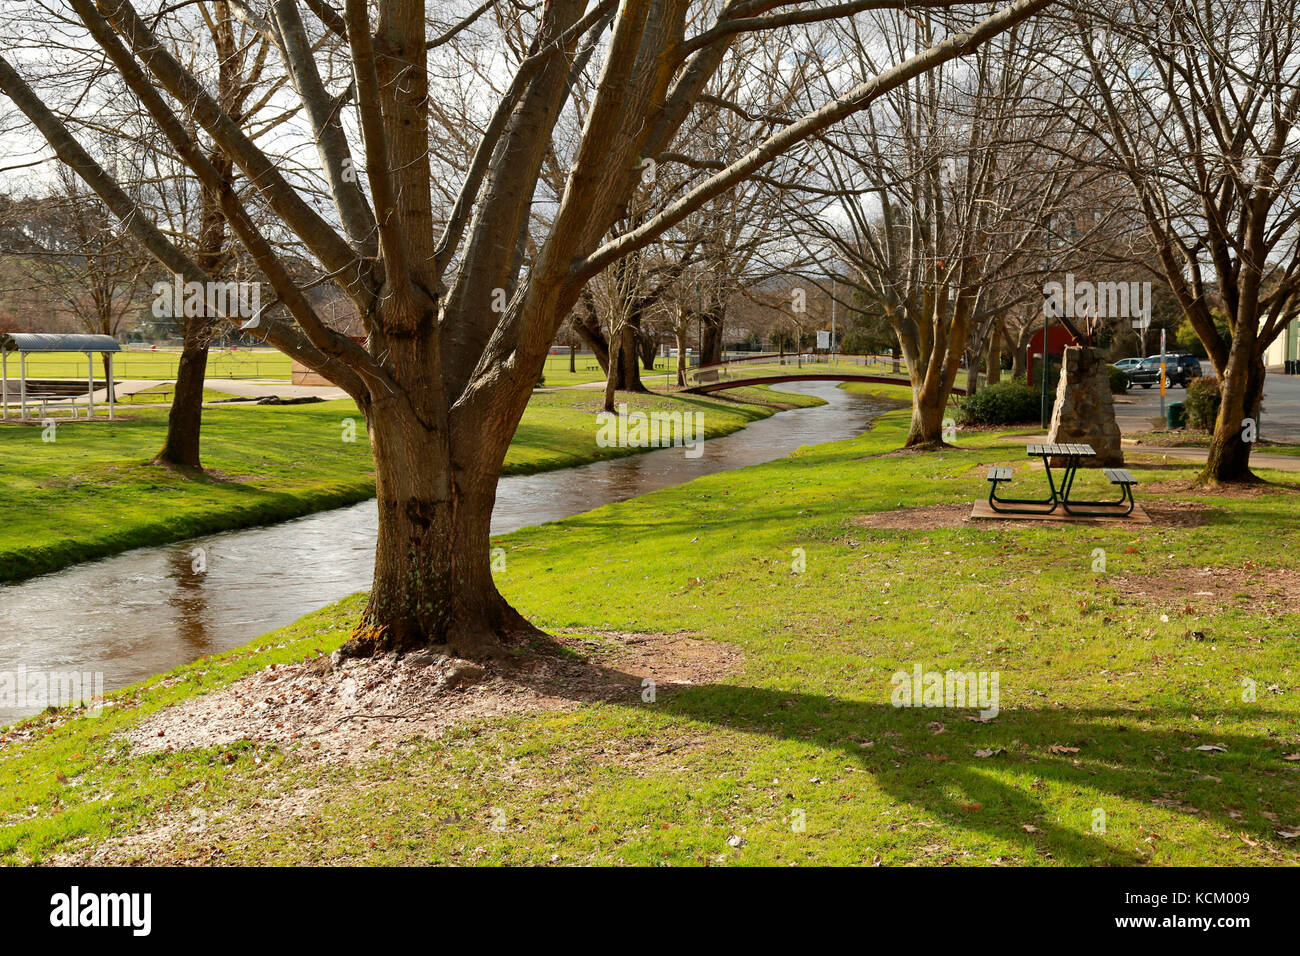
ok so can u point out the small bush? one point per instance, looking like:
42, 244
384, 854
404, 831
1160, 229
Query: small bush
1118, 379
1202, 403
1006, 403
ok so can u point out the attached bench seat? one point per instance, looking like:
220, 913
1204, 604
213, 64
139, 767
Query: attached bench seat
1002, 473
1121, 478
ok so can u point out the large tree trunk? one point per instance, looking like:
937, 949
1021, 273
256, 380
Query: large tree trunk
185, 420
649, 349
1020, 355
926, 429
680, 332
973, 375
711, 344
626, 365
628, 373
1241, 390
612, 372
993, 361
433, 578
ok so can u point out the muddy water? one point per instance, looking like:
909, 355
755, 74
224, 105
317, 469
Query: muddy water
149, 610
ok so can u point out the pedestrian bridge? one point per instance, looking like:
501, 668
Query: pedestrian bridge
804, 367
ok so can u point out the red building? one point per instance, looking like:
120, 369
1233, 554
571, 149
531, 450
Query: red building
1059, 338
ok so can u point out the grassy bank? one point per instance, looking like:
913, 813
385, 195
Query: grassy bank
90, 492
1148, 713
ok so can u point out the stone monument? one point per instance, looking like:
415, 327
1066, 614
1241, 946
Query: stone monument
1085, 410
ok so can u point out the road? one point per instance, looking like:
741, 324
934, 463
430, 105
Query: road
1279, 421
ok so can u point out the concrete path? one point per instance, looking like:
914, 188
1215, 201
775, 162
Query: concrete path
1257, 459
263, 388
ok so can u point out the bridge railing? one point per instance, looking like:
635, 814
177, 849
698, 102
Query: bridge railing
769, 365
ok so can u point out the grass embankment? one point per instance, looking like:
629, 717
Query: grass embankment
1111, 685
91, 493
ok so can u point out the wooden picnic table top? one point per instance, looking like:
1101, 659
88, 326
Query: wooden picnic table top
1044, 451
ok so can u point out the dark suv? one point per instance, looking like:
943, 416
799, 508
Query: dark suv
1179, 366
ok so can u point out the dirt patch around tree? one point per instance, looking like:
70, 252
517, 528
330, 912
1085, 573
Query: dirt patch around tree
1209, 590
1260, 489
343, 709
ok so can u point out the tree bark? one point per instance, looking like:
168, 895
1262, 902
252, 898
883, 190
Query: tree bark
973, 375
926, 428
1241, 394
649, 349
680, 332
185, 420
433, 577
618, 353
993, 361
711, 344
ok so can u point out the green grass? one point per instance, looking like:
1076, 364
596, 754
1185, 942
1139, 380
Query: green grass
160, 364
803, 728
91, 492
259, 363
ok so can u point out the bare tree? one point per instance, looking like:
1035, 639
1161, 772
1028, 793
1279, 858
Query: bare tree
950, 188
66, 246
1197, 105
458, 328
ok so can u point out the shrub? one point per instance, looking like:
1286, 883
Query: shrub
1006, 403
1118, 379
1202, 403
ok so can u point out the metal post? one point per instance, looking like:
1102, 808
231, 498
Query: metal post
4, 387
22, 388
111, 397
832, 320
90, 395
1047, 362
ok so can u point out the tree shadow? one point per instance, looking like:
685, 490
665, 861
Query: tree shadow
1120, 755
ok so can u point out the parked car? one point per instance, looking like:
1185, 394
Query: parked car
1180, 369
1128, 364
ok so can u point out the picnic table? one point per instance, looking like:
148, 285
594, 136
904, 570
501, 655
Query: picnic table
1059, 494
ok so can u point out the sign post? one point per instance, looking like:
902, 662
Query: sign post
1163, 376
1044, 407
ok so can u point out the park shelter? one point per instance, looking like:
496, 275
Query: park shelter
25, 343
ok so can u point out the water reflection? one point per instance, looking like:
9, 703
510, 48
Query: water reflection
149, 610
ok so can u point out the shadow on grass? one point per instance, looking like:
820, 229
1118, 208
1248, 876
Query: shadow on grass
1125, 757
1119, 757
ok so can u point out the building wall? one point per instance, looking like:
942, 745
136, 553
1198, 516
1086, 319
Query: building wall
1285, 347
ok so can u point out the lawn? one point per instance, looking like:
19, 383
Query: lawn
159, 364
90, 492
1127, 731
250, 364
